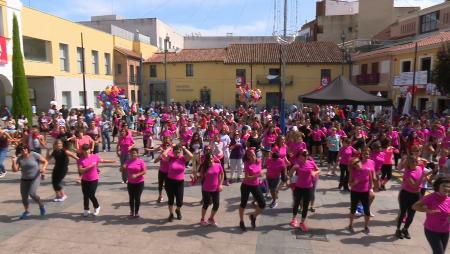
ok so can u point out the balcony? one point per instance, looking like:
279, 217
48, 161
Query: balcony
262, 80
368, 79
133, 79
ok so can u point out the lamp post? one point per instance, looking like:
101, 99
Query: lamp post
343, 37
166, 50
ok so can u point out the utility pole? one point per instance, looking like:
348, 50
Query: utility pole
83, 69
283, 73
414, 78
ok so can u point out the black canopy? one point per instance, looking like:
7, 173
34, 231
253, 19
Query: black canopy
341, 91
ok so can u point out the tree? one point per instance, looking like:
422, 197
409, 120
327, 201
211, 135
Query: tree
441, 73
20, 96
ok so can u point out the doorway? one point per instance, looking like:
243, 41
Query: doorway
205, 96
272, 100
423, 104
158, 93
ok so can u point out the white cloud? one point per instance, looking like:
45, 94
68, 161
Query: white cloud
420, 3
254, 28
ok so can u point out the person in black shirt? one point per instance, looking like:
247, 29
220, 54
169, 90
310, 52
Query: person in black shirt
254, 141
64, 112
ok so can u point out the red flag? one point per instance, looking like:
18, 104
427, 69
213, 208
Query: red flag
3, 53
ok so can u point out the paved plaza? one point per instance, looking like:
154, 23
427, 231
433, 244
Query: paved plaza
64, 230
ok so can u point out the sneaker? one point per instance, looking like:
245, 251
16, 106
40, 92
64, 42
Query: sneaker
63, 198
406, 233
86, 213
252, 220
24, 215
170, 219
242, 226
2, 175
372, 215
56, 200
160, 199
178, 212
351, 229
294, 223
358, 214
136, 216
398, 234
203, 222
303, 227
312, 209
96, 211
273, 204
226, 183
212, 222
42, 210
366, 230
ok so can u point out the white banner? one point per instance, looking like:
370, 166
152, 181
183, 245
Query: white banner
406, 78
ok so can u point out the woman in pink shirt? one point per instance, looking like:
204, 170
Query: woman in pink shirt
212, 176
345, 154
136, 169
386, 168
175, 177
307, 172
393, 135
361, 182
124, 146
163, 166
317, 136
88, 168
276, 169
437, 207
250, 184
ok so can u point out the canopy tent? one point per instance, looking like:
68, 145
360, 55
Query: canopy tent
341, 91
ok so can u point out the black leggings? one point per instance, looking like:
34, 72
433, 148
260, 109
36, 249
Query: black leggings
175, 189
256, 193
355, 198
343, 179
134, 192
222, 162
208, 196
437, 241
302, 194
162, 177
406, 200
386, 171
58, 175
89, 188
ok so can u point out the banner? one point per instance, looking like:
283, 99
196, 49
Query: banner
3, 53
406, 78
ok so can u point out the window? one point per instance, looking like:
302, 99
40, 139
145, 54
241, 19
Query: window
66, 99
375, 68
97, 103
274, 72
189, 70
63, 57
94, 61
132, 76
240, 76
406, 66
79, 60
160, 44
429, 22
119, 69
36, 49
81, 98
364, 69
425, 65
107, 64
153, 73
133, 96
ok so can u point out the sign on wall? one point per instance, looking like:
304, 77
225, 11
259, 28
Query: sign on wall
406, 78
3, 53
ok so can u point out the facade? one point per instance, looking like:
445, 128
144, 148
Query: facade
127, 70
210, 75
202, 42
150, 27
378, 71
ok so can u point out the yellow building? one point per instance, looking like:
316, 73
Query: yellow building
390, 71
53, 63
210, 75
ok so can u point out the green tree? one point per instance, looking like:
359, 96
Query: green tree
441, 73
21, 100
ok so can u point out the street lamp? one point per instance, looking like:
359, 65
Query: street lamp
166, 50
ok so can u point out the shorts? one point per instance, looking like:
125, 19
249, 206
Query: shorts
273, 183
332, 156
316, 143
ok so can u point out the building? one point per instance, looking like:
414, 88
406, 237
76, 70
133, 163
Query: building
154, 28
358, 20
390, 71
53, 53
202, 42
210, 75
127, 70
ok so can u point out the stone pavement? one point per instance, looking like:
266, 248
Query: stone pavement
64, 230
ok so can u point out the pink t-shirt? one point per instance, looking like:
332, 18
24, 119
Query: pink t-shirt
295, 147
394, 137
167, 133
269, 139
362, 176
437, 222
274, 167
92, 173
252, 169
83, 141
164, 163
317, 135
177, 167
212, 177
388, 152
341, 133
346, 153
125, 143
378, 158
305, 179
414, 175
282, 151
186, 136
135, 167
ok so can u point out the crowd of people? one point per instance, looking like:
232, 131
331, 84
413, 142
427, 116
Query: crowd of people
215, 147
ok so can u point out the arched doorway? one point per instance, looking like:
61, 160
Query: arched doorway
5, 91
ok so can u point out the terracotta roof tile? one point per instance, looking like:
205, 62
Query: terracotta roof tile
190, 55
435, 39
128, 52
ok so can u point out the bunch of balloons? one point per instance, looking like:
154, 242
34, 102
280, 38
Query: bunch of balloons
113, 97
249, 95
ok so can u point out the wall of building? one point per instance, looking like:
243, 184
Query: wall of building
330, 28
199, 42
163, 30
375, 16
333, 8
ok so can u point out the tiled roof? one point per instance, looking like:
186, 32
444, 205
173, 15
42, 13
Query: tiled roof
262, 53
431, 40
190, 55
128, 52
297, 52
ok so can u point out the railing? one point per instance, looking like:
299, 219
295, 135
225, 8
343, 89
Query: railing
368, 79
262, 80
133, 79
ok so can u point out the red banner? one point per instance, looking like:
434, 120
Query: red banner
3, 53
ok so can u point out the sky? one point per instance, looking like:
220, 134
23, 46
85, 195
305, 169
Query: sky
207, 17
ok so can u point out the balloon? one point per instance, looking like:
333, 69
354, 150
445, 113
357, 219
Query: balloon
108, 91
